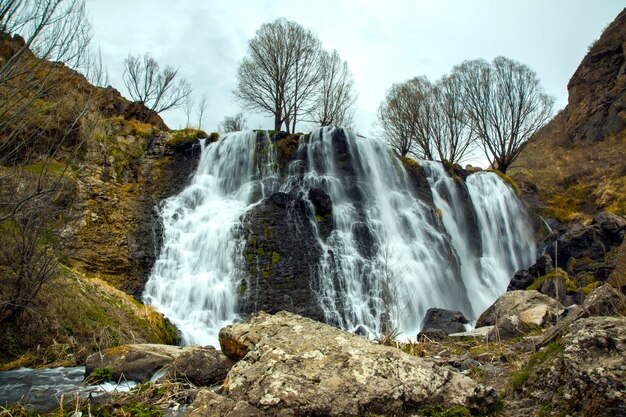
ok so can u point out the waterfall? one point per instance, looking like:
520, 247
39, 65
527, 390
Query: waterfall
388, 259
491, 233
193, 280
508, 242
394, 250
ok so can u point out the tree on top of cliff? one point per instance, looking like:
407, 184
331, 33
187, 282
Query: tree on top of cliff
235, 123
505, 104
426, 120
156, 88
288, 75
336, 94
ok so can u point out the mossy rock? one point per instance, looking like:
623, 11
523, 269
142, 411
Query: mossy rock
507, 180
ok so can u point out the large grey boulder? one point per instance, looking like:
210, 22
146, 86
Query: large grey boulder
291, 365
517, 313
139, 362
530, 306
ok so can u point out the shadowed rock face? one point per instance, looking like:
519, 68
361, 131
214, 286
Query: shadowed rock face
281, 255
597, 91
291, 365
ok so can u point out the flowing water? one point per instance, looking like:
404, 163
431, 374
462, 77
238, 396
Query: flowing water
393, 252
42, 389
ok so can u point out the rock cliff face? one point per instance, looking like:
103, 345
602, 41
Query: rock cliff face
112, 161
126, 174
575, 164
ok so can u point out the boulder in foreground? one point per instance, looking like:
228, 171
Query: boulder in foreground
291, 365
202, 366
581, 374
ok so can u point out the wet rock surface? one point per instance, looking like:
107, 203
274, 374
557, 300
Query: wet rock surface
281, 256
291, 365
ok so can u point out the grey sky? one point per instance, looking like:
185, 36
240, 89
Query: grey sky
384, 42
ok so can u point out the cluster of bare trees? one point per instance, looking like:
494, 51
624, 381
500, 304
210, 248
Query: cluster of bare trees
496, 106
234, 123
288, 75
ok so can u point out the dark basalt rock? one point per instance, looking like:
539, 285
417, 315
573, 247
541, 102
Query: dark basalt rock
581, 250
444, 320
523, 278
321, 201
593, 241
281, 257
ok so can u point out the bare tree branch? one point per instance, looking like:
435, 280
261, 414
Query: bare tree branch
159, 90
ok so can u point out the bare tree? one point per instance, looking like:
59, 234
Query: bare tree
96, 72
235, 123
188, 107
157, 89
405, 118
451, 133
336, 94
505, 104
203, 103
281, 72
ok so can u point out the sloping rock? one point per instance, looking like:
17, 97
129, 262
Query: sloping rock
584, 373
597, 93
139, 362
291, 365
530, 306
605, 301
444, 320
133, 362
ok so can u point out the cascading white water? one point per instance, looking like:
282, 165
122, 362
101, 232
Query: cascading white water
193, 280
412, 267
507, 241
389, 257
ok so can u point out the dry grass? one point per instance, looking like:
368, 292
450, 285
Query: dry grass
76, 316
574, 179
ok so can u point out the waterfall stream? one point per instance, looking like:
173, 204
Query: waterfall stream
393, 252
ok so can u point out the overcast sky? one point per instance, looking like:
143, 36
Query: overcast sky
384, 41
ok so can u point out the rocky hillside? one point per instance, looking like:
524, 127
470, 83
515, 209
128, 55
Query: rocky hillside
575, 164
82, 169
